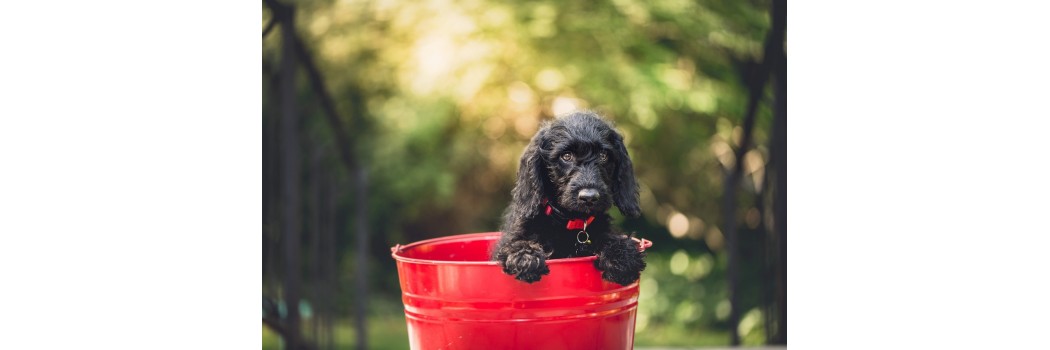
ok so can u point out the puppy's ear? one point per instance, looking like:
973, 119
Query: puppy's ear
626, 197
530, 189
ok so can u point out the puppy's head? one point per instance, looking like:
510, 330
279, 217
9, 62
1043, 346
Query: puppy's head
579, 162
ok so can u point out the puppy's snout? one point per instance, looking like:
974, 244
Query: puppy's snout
588, 196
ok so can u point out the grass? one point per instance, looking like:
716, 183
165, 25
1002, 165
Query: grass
679, 336
384, 333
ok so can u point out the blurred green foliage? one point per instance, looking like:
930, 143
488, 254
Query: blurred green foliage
440, 98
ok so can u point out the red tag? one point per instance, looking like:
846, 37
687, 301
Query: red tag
578, 224
644, 244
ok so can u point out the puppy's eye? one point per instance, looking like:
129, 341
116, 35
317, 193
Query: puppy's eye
602, 157
566, 156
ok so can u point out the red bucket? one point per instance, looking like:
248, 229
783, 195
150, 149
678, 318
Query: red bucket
456, 298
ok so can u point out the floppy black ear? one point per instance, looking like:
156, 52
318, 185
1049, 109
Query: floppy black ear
626, 197
529, 191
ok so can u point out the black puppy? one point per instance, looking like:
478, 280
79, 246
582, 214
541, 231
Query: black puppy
572, 172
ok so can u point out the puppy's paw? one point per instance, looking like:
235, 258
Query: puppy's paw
526, 261
621, 262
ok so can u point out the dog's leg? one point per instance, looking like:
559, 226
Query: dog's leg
525, 260
620, 261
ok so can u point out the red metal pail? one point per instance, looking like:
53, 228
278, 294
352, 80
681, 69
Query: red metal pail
455, 298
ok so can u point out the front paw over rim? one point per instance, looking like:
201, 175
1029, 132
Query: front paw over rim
527, 262
621, 262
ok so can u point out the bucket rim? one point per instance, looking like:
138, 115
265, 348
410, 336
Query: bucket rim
397, 249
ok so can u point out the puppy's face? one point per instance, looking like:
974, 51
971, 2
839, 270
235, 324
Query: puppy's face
580, 157
579, 162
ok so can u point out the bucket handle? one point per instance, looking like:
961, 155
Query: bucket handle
643, 244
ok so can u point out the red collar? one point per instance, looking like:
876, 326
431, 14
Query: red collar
573, 224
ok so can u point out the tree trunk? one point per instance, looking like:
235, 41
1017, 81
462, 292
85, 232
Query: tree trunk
334, 229
270, 190
780, 199
729, 202
290, 178
772, 52
314, 248
780, 153
361, 225
733, 270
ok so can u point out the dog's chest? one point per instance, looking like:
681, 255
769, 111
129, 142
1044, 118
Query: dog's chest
565, 245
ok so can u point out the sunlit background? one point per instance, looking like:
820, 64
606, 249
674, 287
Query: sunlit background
399, 121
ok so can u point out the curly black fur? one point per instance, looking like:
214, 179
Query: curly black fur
568, 161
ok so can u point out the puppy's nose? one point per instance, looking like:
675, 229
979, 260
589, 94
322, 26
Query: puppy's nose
589, 196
